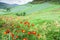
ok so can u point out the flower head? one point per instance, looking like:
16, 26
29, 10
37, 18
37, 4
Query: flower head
23, 31
25, 39
29, 33
17, 36
7, 31
26, 23
12, 35
34, 32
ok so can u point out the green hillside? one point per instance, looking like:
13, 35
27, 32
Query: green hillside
30, 8
41, 22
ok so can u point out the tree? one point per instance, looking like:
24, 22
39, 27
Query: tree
37, 1
8, 9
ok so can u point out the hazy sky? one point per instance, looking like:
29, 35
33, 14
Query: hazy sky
20, 2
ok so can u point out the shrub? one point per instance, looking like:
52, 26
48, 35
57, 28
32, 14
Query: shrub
18, 14
24, 13
21, 14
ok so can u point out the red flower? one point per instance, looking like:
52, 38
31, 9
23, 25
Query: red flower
29, 33
23, 31
7, 31
12, 35
26, 23
17, 36
34, 32
25, 39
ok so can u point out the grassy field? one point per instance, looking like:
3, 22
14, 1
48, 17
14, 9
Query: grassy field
42, 22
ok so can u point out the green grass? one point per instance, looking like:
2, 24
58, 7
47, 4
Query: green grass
45, 22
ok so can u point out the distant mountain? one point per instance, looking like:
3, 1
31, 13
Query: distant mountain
5, 5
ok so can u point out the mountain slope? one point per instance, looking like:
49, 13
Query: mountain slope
30, 8
5, 5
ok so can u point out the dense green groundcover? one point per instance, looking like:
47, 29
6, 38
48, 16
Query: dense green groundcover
17, 28
43, 23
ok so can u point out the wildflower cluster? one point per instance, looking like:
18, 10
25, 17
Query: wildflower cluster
22, 31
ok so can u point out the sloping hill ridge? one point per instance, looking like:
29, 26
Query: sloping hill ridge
30, 8
5, 5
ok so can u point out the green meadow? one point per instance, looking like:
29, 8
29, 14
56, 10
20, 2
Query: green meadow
31, 22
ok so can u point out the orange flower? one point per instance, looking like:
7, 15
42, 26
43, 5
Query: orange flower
17, 36
29, 33
12, 35
23, 31
26, 23
5, 33
25, 39
34, 32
